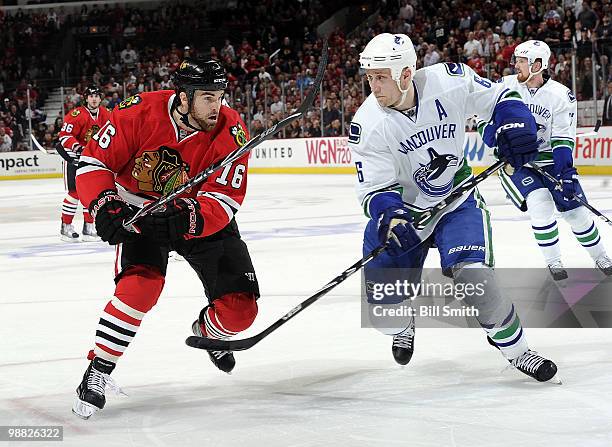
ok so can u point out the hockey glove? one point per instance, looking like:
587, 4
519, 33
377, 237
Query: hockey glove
395, 226
565, 172
569, 181
179, 218
109, 211
516, 134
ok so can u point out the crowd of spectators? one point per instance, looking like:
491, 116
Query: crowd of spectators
272, 51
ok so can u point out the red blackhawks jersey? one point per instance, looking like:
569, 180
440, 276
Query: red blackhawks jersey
80, 126
143, 154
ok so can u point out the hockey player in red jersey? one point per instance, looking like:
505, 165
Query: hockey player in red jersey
80, 124
153, 143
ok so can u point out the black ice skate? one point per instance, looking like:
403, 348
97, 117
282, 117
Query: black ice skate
557, 271
536, 366
89, 232
90, 393
224, 360
604, 264
68, 234
403, 345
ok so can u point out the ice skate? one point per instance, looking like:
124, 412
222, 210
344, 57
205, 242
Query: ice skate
89, 232
557, 271
91, 391
403, 345
68, 234
536, 366
604, 264
224, 360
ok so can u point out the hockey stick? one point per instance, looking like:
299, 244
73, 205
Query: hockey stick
38, 146
592, 132
576, 197
239, 152
246, 343
64, 155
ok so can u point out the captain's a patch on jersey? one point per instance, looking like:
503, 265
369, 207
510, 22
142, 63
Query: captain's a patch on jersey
454, 69
129, 102
354, 133
75, 112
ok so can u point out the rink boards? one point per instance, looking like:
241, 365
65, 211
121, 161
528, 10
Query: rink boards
328, 155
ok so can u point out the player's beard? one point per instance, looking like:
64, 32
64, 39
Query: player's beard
206, 123
521, 78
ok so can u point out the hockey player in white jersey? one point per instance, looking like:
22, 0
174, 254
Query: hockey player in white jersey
407, 143
554, 108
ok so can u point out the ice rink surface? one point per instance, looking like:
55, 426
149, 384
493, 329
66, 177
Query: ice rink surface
321, 379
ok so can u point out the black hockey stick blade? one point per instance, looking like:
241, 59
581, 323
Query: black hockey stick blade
597, 126
239, 152
246, 343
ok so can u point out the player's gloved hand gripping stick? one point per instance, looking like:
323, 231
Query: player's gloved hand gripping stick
580, 199
246, 343
239, 152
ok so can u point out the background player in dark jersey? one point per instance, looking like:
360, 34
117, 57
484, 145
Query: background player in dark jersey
80, 124
153, 143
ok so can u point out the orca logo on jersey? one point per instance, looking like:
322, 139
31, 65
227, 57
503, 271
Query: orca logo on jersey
239, 135
160, 171
129, 102
425, 175
91, 132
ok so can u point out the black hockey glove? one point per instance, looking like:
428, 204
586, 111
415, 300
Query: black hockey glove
110, 211
179, 218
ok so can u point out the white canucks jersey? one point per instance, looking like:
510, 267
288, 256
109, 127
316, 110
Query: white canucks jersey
554, 107
419, 153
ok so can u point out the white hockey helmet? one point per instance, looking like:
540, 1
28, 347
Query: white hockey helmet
393, 51
533, 50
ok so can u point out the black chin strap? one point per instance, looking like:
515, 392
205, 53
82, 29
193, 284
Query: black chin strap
184, 117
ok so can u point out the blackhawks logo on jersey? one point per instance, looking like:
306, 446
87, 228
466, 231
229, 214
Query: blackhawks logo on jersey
129, 102
91, 132
75, 113
238, 134
161, 171
425, 177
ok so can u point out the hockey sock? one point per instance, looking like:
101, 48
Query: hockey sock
508, 336
228, 315
585, 231
69, 207
496, 313
541, 210
136, 293
86, 216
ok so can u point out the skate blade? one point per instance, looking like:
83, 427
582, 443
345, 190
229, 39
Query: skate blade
83, 409
85, 238
68, 239
555, 380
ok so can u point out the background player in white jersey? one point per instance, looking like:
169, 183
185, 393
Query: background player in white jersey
407, 141
554, 108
